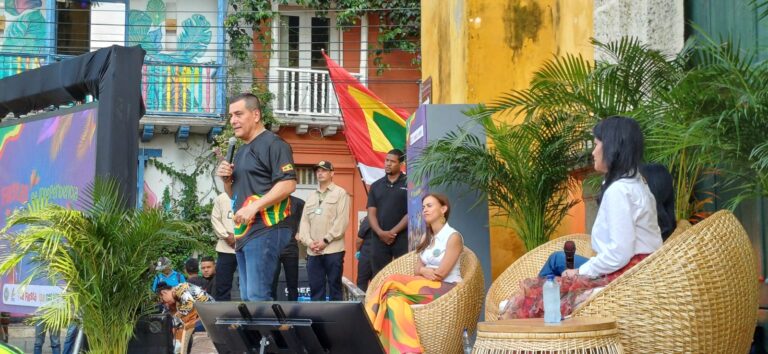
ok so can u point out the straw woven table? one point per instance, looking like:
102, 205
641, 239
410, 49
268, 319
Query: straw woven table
574, 335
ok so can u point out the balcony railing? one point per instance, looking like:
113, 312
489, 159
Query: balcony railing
306, 93
181, 88
13, 63
167, 88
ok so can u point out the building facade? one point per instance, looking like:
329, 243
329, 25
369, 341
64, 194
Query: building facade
183, 78
473, 51
305, 105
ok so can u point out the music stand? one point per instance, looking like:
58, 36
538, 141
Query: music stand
338, 327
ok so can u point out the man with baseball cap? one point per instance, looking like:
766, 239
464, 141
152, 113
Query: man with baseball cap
166, 274
323, 225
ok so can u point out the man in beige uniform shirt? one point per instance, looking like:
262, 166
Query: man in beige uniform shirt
226, 262
323, 225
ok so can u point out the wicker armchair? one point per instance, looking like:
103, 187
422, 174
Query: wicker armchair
697, 294
528, 266
441, 322
682, 226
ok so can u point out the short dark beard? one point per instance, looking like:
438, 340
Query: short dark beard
394, 173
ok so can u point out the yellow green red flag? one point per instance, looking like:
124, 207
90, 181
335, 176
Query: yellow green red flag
371, 127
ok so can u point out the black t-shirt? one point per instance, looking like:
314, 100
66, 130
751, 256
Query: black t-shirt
259, 165
390, 201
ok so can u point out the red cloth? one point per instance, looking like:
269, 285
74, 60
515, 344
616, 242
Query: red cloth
529, 302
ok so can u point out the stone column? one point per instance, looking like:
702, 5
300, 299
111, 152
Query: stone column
658, 23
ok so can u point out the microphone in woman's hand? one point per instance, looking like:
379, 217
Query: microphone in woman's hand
570, 251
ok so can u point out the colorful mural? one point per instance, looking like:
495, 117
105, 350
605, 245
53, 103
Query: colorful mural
25, 30
54, 158
186, 86
178, 77
24, 37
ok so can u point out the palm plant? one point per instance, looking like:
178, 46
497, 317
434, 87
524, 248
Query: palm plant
629, 75
716, 112
101, 254
525, 173
630, 79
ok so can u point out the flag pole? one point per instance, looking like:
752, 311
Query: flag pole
357, 164
365, 186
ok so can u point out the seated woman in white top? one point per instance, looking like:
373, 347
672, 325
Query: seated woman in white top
437, 272
625, 231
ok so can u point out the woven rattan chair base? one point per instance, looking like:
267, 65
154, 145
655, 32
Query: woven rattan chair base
595, 337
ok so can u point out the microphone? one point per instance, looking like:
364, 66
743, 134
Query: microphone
231, 149
570, 250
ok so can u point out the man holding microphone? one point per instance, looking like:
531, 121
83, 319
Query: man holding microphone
260, 179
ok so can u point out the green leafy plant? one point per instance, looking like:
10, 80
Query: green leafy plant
102, 256
189, 209
722, 101
525, 172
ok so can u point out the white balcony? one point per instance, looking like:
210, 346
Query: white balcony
305, 97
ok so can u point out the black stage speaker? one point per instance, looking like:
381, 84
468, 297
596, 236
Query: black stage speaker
152, 335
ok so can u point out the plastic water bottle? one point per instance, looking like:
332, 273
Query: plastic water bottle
552, 301
467, 342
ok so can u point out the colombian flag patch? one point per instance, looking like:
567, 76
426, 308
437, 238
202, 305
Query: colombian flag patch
270, 215
287, 167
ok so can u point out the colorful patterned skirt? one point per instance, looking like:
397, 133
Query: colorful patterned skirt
529, 302
391, 313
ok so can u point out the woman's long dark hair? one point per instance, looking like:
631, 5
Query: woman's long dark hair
661, 185
622, 149
443, 200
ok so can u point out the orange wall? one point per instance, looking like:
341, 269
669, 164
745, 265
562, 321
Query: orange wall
477, 50
310, 148
398, 86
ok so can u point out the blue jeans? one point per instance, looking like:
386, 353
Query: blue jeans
40, 340
555, 264
256, 263
69, 339
322, 268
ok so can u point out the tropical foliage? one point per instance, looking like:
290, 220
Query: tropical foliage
146, 28
703, 113
100, 254
27, 31
700, 120
189, 208
525, 173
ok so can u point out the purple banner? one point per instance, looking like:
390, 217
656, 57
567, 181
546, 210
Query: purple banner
416, 142
51, 157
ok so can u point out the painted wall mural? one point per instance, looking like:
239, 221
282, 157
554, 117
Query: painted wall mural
181, 72
25, 33
177, 79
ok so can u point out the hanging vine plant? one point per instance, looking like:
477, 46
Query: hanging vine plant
399, 23
187, 208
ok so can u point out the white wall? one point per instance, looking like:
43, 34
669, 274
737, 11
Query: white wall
183, 157
107, 25
658, 23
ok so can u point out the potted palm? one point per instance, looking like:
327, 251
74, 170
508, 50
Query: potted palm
101, 254
528, 169
526, 172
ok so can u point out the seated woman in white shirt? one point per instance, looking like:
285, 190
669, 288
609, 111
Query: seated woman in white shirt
625, 231
437, 272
